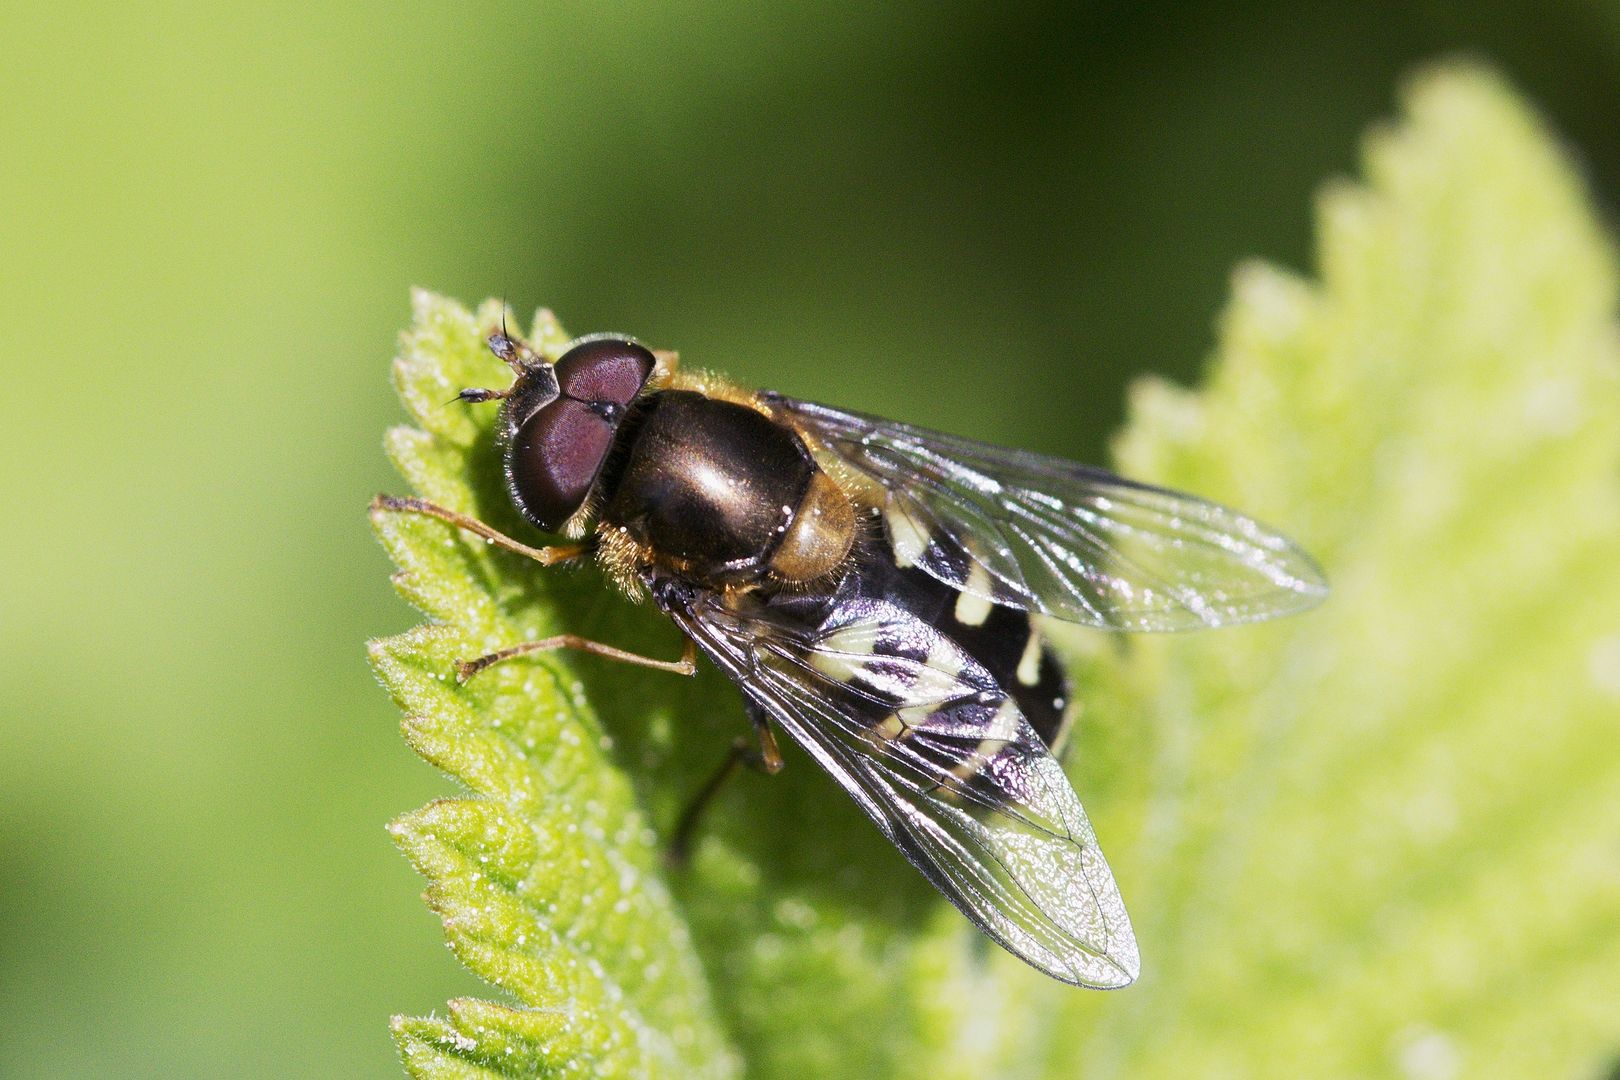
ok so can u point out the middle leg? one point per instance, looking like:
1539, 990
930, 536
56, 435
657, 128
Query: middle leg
686, 665
767, 759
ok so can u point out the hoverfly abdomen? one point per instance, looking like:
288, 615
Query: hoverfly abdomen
1009, 645
1016, 661
726, 492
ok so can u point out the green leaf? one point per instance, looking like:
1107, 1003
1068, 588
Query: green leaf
1379, 839
548, 877
1384, 839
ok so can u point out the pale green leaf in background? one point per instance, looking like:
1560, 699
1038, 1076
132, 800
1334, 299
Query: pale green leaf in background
1379, 839
1384, 839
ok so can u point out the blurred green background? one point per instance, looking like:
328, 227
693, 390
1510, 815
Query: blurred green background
981, 217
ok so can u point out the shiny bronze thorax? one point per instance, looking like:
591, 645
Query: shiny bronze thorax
722, 491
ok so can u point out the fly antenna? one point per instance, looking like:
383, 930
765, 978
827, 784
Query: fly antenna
508, 348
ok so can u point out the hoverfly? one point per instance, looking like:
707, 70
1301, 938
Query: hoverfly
869, 588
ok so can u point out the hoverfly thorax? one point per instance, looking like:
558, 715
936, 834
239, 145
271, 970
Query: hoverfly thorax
559, 423
719, 486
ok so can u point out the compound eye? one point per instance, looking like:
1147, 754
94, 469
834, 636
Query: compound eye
553, 460
610, 369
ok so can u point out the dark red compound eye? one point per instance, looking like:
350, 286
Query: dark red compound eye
554, 459
554, 455
606, 370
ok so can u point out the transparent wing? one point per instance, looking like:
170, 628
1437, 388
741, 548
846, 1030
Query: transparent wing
1062, 539
945, 764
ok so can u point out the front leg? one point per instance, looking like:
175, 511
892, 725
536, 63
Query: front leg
545, 556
